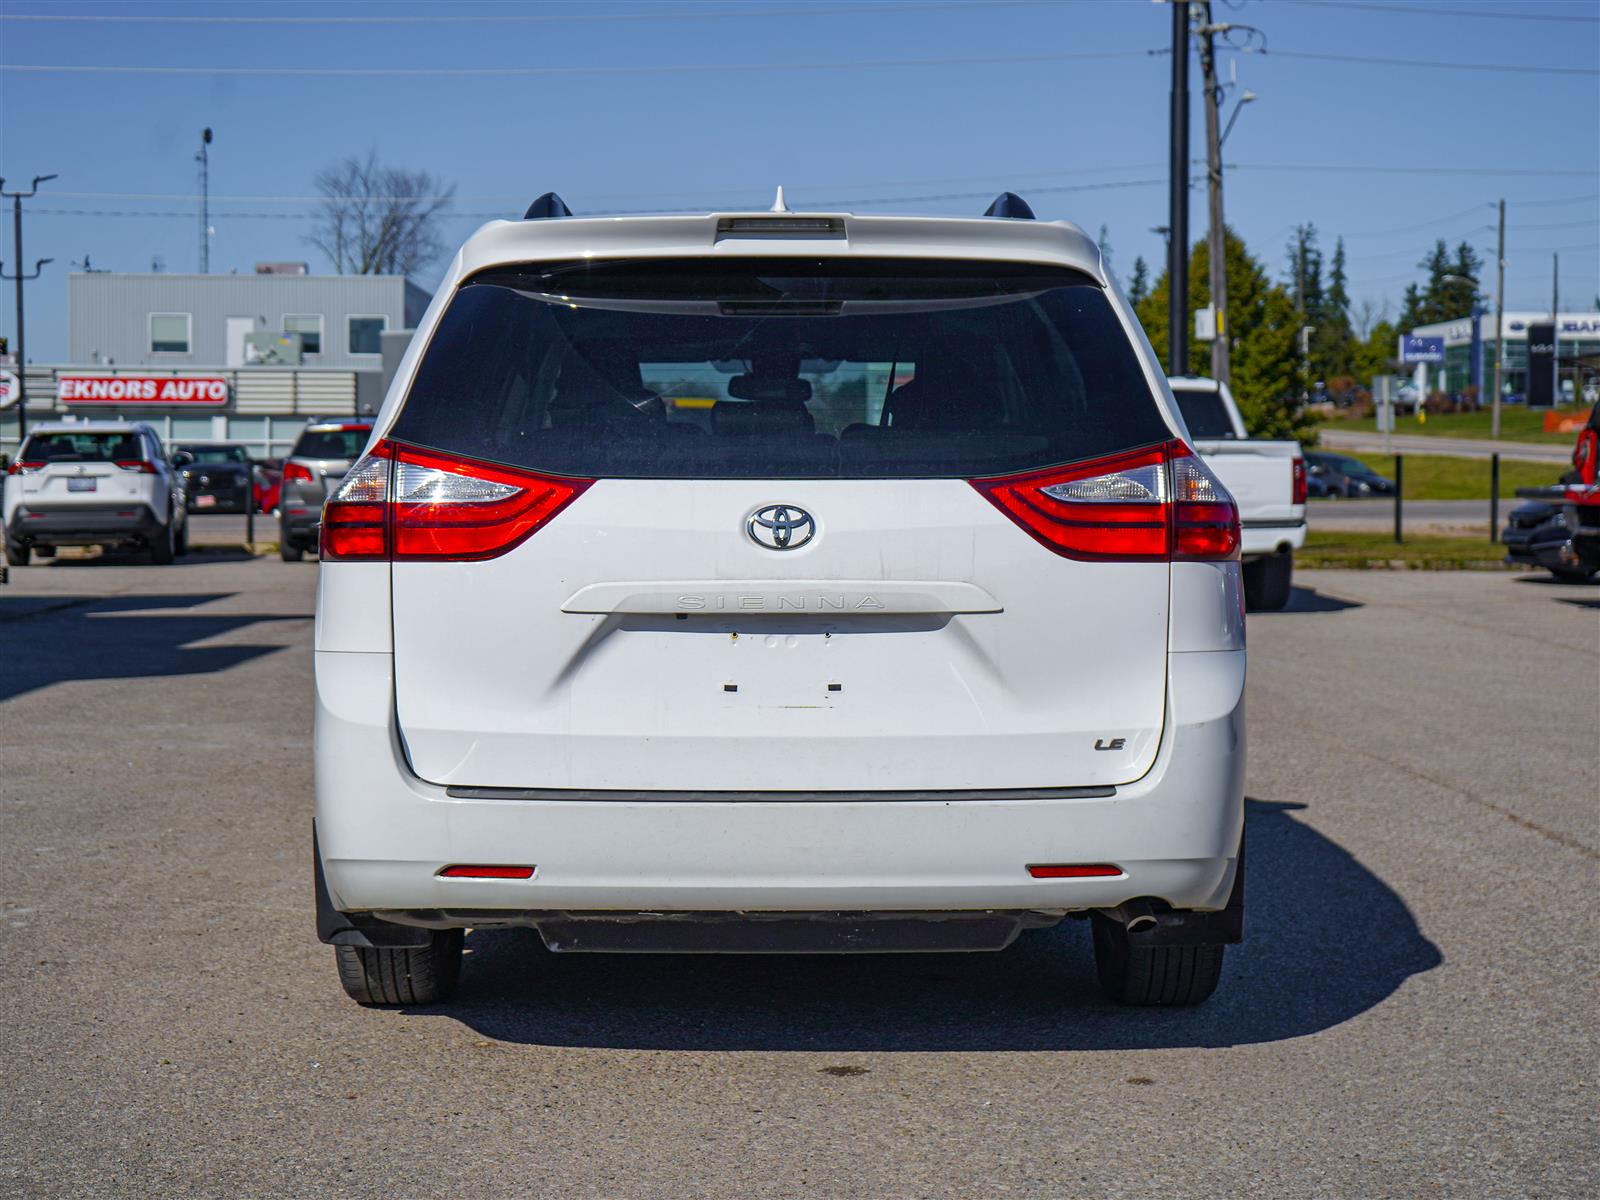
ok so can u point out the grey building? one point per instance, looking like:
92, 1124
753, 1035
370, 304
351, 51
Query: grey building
181, 321
250, 357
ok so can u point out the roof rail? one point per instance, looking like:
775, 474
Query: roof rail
547, 205
1009, 204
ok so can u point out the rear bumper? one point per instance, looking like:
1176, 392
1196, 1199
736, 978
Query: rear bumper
82, 525
299, 521
385, 834
1261, 538
224, 499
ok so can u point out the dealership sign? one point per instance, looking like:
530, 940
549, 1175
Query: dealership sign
188, 391
1415, 349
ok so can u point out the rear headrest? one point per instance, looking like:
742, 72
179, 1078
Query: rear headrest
743, 418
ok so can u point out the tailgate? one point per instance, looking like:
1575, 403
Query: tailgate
1260, 477
642, 641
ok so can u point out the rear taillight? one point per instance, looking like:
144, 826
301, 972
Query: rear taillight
21, 467
296, 473
1151, 505
1205, 520
137, 465
1298, 496
402, 503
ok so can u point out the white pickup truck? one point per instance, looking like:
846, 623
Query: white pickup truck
1267, 480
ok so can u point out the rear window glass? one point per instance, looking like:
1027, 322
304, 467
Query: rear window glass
1204, 414
215, 454
83, 447
788, 368
334, 441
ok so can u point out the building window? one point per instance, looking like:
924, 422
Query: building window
366, 334
309, 327
169, 333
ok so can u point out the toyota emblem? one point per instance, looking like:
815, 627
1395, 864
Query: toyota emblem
781, 527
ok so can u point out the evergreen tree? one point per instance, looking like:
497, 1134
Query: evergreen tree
1104, 242
1411, 307
1261, 324
1305, 270
1139, 285
1446, 296
1333, 342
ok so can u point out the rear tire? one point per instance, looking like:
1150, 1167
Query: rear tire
1571, 574
288, 551
421, 976
1152, 975
181, 544
1268, 582
17, 555
164, 548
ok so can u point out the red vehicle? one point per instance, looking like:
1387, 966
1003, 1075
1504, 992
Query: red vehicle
1560, 529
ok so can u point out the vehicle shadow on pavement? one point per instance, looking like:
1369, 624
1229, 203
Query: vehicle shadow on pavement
1308, 600
1325, 940
204, 554
58, 638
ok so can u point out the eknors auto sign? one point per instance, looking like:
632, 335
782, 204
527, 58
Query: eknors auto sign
142, 389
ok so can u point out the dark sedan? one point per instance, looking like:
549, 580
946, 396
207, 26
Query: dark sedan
1346, 476
220, 477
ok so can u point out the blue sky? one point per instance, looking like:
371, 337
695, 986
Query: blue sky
710, 105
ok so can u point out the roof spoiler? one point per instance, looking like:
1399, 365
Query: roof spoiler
550, 205
1009, 204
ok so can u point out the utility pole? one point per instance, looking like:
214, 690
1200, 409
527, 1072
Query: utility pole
1555, 324
1300, 309
1216, 243
22, 351
1178, 200
204, 159
1499, 323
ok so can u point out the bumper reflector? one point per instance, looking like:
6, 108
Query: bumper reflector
1072, 870
479, 871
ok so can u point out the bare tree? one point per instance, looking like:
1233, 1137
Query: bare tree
1365, 315
379, 220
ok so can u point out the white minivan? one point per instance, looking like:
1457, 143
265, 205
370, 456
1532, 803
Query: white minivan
779, 582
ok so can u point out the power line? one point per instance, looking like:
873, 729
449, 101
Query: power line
1399, 170
1431, 11
505, 214
740, 68
1368, 60
1463, 236
517, 198
521, 198
1420, 225
1554, 249
1561, 225
658, 14
503, 72
1556, 203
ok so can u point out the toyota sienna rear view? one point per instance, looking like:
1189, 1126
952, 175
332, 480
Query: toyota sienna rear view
779, 583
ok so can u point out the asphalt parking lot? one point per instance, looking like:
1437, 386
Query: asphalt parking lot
1414, 1011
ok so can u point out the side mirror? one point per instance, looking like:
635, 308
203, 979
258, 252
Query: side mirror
180, 458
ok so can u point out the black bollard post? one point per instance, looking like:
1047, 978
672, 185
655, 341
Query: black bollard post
1494, 497
1399, 496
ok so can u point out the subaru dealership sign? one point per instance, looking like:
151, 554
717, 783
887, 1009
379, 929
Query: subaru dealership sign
1415, 350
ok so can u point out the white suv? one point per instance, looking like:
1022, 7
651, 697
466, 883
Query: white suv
93, 483
779, 582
